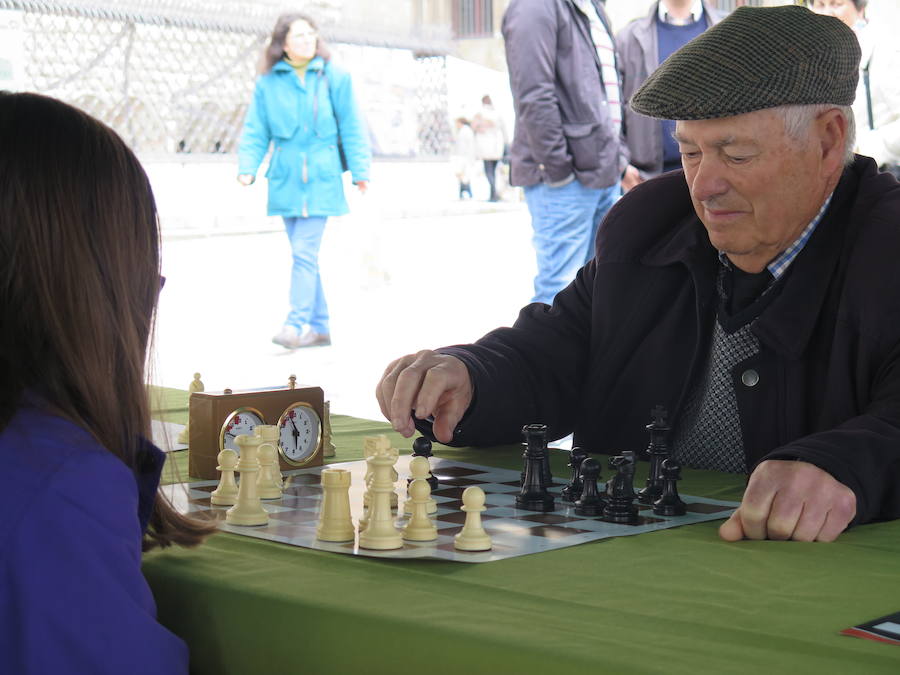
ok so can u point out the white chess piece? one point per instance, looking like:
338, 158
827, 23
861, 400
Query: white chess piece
226, 492
335, 523
196, 384
266, 483
380, 533
247, 510
269, 434
473, 537
327, 442
420, 527
419, 468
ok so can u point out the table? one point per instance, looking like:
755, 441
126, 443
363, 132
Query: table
675, 601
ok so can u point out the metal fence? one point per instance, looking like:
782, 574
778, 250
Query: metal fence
176, 76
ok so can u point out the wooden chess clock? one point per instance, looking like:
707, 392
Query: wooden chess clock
217, 418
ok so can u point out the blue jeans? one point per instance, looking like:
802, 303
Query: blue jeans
308, 306
565, 221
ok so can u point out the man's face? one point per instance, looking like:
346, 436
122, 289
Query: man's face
845, 10
753, 187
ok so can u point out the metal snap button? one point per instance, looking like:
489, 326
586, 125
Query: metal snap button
750, 378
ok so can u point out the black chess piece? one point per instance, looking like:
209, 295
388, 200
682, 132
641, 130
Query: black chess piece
422, 448
533, 495
589, 503
669, 503
620, 507
658, 450
572, 491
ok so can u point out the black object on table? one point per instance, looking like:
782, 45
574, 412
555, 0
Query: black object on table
533, 495
658, 450
589, 503
572, 491
669, 503
620, 490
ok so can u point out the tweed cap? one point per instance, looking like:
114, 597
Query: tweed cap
756, 58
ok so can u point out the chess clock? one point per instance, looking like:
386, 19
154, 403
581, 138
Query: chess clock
216, 418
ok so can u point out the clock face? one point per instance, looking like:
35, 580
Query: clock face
299, 430
241, 421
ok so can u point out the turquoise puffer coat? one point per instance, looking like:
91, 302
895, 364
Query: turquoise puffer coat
298, 120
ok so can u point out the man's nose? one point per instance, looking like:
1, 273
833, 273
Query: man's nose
708, 180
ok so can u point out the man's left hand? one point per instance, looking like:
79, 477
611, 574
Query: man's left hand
791, 500
362, 186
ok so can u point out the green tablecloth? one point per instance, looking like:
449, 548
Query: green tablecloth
675, 601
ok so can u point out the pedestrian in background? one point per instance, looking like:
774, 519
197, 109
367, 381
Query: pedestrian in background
566, 150
304, 108
490, 141
642, 46
877, 105
462, 157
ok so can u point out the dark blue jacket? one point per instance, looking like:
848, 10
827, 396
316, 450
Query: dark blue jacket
72, 596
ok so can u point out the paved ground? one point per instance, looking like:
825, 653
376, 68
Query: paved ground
399, 277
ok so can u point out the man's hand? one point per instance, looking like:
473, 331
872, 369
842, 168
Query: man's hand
430, 384
362, 186
246, 179
791, 500
631, 178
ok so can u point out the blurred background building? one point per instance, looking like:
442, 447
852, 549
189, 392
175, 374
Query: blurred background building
174, 77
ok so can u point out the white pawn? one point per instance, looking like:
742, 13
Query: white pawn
196, 385
420, 527
335, 523
327, 439
226, 492
247, 510
269, 435
266, 483
419, 469
473, 537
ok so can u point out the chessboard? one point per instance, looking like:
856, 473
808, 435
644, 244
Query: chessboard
514, 532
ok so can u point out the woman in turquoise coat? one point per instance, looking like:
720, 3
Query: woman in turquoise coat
303, 108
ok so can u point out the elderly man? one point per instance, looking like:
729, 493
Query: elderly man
756, 294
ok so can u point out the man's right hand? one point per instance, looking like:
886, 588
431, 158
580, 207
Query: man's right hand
430, 384
246, 179
631, 178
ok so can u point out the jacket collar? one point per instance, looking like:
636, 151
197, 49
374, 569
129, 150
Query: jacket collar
283, 66
788, 323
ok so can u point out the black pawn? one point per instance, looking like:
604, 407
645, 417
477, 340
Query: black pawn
620, 490
533, 495
572, 491
422, 448
590, 503
669, 503
658, 450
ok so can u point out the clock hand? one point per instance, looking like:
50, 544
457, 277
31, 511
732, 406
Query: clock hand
296, 433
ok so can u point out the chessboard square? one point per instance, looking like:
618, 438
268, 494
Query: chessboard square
456, 504
300, 502
203, 501
554, 531
460, 517
511, 525
453, 471
460, 481
302, 479
502, 499
549, 518
452, 492
294, 516
502, 512
501, 488
203, 488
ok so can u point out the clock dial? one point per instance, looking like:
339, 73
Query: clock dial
299, 432
241, 421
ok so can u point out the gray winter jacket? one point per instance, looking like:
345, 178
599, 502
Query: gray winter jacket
563, 124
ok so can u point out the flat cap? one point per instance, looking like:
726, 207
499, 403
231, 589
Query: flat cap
756, 58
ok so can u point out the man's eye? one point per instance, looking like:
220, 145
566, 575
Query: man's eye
737, 160
690, 154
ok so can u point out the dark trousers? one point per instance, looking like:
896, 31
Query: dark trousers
490, 170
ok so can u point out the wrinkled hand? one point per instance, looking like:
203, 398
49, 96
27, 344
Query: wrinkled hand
430, 384
791, 500
631, 178
246, 179
362, 186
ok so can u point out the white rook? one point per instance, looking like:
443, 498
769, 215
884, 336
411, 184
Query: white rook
335, 523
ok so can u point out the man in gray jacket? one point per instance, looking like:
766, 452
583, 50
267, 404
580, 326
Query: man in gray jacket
640, 47
566, 151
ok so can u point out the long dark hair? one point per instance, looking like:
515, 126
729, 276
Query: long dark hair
79, 280
274, 51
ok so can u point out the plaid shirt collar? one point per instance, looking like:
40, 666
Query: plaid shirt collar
783, 260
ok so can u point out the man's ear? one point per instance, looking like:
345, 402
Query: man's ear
832, 130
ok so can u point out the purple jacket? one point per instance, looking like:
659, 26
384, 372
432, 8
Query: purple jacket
72, 596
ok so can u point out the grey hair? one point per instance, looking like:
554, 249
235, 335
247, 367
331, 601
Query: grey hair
798, 121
